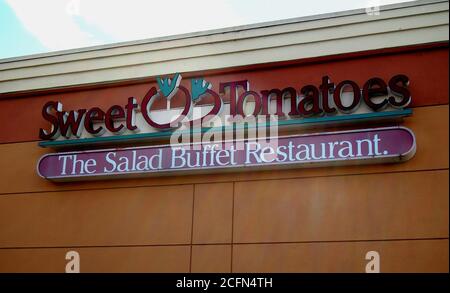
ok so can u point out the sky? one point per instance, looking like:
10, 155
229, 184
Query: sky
38, 26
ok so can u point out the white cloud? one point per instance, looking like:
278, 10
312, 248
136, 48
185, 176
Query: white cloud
50, 22
138, 19
63, 24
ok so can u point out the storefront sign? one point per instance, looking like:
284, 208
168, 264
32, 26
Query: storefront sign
133, 120
379, 145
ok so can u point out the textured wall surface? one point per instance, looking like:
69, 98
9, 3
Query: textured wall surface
299, 220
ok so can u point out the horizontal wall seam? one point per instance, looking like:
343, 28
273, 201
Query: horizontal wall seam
226, 181
226, 243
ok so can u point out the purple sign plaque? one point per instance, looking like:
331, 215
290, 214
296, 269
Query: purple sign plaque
366, 146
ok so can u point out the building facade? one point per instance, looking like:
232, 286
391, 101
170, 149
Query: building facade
318, 218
